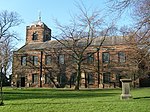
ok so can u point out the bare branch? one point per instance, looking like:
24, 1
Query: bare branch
8, 20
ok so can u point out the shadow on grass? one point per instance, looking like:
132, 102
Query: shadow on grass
47, 103
146, 97
50, 93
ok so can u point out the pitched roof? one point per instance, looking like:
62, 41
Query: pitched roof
55, 44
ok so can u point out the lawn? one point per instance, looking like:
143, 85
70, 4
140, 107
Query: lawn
65, 100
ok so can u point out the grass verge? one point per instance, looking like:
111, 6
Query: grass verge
66, 100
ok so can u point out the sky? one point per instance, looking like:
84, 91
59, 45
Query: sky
51, 10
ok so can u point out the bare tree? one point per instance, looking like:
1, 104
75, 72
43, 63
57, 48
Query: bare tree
139, 11
140, 33
8, 20
79, 35
6, 56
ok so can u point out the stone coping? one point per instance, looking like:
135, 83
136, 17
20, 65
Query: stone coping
126, 80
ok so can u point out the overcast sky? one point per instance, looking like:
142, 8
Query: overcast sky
50, 10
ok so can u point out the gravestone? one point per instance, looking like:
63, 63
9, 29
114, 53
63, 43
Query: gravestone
125, 89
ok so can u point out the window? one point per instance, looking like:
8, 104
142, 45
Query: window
35, 78
90, 58
61, 59
35, 60
106, 77
74, 58
118, 77
90, 78
47, 60
24, 60
34, 36
47, 78
73, 78
46, 37
105, 57
62, 79
121, 57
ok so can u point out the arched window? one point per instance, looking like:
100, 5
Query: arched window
34, 36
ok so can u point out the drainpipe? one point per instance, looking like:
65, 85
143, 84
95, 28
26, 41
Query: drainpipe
98, 66
41, 66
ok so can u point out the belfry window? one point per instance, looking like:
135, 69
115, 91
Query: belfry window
34, 36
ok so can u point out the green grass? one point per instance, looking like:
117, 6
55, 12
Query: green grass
65, 100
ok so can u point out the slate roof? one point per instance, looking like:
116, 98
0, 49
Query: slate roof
55, 44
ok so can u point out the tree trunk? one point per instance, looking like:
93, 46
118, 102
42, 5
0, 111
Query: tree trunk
1, 81
85, 80
78, 76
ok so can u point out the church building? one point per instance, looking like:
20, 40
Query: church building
41, 62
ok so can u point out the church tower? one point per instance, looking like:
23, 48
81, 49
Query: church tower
37, 32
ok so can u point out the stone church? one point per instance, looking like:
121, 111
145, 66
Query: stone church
41, 62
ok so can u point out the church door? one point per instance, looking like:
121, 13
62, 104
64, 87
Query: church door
22, 81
